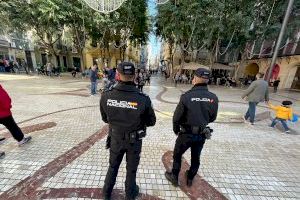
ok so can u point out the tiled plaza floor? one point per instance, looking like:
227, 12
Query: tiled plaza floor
67, 158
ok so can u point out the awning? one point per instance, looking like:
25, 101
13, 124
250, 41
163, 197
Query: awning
222, 66
191, 66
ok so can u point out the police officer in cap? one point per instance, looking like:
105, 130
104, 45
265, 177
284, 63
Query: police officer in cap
197, 108
128, 112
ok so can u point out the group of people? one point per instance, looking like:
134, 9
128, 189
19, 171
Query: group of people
49, 70
110, 78
142, 78
12, 66
182, 78
196, 109
226, 81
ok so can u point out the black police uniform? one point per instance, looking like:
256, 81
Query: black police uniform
128, 112
197, 108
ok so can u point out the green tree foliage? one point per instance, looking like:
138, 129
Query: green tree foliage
212, 24
50, 19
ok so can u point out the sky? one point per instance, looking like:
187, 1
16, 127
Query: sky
154, 43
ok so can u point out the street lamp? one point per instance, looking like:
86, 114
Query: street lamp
283, 27
105, 6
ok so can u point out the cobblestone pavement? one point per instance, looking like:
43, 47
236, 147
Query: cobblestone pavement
67, 158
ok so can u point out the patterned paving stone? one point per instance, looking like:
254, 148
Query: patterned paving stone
240, 161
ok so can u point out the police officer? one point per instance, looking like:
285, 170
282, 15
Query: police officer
197, 108
128, 112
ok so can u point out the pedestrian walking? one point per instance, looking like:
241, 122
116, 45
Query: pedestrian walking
74, 72
197, 108
276, 84
7, 119
148, 77
177, 78
128, 112
49, 69
94, 80
284, 112
140, 81
257, 92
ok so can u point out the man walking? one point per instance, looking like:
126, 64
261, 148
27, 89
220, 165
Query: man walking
94, 78
257, 92
197, 108
128, 112
8, 121
276, 84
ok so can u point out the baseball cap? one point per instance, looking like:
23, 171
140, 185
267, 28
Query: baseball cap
126, 68
202, 73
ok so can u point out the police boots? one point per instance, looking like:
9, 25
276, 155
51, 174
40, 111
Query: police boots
134, 194
172, 178
189, 182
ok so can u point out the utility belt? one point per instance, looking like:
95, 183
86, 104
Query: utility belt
135, 135
197, 130
131, 136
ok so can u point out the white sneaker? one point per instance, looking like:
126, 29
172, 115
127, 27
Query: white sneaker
25, 140
288, 131
245, 120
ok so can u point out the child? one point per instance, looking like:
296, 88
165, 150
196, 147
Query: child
283, 113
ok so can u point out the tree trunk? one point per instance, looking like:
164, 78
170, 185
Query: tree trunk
82, 63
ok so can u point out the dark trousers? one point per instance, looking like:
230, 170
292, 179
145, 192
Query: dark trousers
275, 89
183, 143
251, 111
140, 87
14, 129
118, 148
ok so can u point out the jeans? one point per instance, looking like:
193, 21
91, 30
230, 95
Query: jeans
283, 122
251, 111
2, 69
14, 129
93, 87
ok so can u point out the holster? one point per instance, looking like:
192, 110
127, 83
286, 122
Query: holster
136, 135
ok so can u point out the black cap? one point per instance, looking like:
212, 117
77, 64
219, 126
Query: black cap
202, 73
287, 103
126, 68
